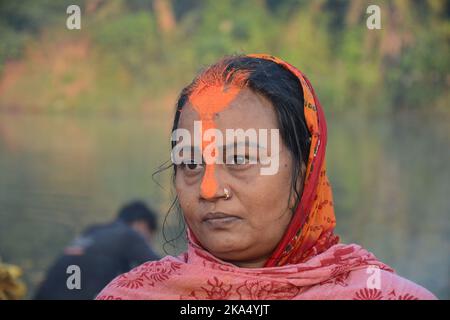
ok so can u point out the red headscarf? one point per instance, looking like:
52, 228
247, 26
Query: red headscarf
311, 229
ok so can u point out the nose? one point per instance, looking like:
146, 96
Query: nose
209, 187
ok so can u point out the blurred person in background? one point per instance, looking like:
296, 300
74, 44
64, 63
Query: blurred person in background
102, 252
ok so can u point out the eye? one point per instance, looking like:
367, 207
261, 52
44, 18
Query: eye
190, 166
239, 159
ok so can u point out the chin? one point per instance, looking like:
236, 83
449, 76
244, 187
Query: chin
223, 249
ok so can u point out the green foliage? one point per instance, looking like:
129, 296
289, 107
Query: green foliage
403, 66
20, 20
129, 40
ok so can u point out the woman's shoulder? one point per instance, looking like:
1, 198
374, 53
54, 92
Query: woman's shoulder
358, 274
135, 283
375, 283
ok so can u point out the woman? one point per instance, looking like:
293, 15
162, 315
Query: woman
253, 235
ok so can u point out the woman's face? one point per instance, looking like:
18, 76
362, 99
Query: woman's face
246, 228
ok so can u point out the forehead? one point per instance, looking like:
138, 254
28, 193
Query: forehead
247, 110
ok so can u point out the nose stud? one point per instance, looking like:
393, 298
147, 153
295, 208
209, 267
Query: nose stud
227, 194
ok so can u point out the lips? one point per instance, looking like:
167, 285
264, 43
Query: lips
219, 219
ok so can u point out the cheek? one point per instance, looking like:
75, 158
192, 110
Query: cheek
178, 183
267, 198
185, 196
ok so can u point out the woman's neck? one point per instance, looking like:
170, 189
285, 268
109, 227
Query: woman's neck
257, 263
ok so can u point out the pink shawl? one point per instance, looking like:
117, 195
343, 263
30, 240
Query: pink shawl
341, 272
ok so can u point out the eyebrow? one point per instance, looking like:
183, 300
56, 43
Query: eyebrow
191, 147
196, 148
240, 143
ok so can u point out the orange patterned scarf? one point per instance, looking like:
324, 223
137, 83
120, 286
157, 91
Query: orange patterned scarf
311, 229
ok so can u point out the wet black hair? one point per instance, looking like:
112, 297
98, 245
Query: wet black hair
138, 211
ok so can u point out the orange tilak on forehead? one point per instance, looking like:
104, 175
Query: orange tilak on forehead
207, 101
212, 99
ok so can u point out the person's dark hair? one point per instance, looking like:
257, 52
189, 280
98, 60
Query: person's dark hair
271, 80
138, 211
